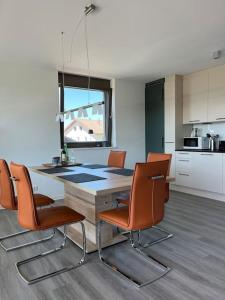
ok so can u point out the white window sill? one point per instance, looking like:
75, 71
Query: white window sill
93, 148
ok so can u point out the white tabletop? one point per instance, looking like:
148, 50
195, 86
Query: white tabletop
112, 184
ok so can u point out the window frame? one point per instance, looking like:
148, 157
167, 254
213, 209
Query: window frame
78, 81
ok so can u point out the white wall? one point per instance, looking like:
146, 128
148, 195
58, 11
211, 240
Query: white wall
28, 131
30, 135
129, 116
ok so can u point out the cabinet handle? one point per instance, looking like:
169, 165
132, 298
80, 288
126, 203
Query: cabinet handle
220, 118
182, 174
183, 160
208, 154
194, 121
183, 153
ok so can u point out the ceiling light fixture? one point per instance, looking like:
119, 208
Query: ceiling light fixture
81, 110
89, 9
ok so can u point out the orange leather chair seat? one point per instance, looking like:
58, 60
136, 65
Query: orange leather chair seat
117, 216
53, 217
39, 200
42, 200
123, 201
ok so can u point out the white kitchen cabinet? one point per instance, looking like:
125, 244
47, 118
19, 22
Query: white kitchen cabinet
216, 100
184, 179
202, 171
184, 165
195, 97
207, 171
184, 168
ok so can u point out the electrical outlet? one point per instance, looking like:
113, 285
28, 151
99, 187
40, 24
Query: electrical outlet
35, 188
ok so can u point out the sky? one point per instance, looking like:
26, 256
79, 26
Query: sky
79, 97
74, 98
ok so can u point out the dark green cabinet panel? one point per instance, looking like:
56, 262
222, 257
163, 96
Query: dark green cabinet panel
154, 116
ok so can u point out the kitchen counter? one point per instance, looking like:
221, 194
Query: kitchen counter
201, 150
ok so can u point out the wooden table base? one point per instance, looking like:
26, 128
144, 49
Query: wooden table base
89, 206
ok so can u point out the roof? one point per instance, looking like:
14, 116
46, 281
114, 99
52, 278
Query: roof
95, 125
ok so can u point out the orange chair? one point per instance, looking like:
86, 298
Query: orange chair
38, 220
117, 159
8, 200
124, 199
146, 209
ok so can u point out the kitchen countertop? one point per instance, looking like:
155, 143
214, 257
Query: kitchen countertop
201, 150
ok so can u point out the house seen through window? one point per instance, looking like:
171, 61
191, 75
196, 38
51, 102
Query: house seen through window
86, 126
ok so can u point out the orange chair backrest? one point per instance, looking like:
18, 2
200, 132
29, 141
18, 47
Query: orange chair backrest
146, 207
117, 159
152, 156
27, 214
7, 195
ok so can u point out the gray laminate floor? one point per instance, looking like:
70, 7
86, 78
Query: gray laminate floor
196, 255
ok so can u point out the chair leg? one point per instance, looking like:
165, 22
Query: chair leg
2, 239
57, 272
130, 277
149, 244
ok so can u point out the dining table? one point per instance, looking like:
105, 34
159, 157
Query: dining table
90, 189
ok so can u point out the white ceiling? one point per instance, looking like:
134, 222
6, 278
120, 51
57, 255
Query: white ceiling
138, 39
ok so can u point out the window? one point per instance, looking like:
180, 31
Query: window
89, 122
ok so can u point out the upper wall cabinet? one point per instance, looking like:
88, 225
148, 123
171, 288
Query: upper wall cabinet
216, 100
195, 97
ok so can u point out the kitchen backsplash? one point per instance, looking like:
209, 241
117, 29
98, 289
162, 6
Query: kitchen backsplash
215, 128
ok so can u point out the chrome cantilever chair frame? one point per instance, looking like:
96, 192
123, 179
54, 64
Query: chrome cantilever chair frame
138, 283
2, 239
149, 258
10, 236
57, 272
149, 244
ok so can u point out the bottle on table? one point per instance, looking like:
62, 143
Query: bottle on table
67, 153
64, 154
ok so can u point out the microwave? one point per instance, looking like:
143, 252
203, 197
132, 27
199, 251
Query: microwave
196, 143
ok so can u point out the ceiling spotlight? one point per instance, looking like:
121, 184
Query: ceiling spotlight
89, 9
